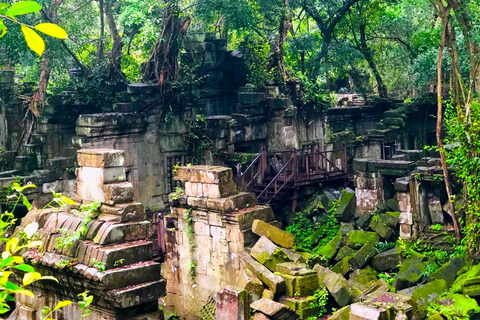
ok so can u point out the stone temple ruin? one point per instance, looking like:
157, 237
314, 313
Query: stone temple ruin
209, 241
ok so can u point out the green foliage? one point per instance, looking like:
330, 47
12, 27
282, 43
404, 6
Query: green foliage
196, 139
10, 14
256, 52
320, 303
22, 239
309, 235
463, 155
86, 211
191, 243
85, 303
388, 277
384, 246
101, 266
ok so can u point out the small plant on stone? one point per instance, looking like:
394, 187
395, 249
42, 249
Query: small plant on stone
85, 303
118, 262
191, 241
101, 266
86, 211
384, 246
15, 242
320, 303
436, 227
62, 264
389, 278
179, 192
47, 312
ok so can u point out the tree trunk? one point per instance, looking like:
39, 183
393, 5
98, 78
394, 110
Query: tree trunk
277, 59
367, 53
163, 61
443, 159
102, 31
115, 64
37, 101
464, 21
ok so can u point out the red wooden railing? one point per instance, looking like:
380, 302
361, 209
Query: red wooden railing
300, 168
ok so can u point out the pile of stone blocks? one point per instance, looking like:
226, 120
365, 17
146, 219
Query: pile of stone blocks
112, 259
209, 226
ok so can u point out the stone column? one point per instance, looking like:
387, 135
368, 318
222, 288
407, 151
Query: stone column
368, 191
209, 225
232, 304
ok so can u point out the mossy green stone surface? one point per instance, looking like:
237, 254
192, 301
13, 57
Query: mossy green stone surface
448, 272
330, 249
344, 252
359, 238
460, 306
423, 296
302, 306
341, 314
466, 273
410, 272
346, 206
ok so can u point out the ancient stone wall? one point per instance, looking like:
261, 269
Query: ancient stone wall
208, 227
112, 259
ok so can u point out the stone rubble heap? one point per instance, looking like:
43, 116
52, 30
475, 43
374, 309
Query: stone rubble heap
350, 271
112, 259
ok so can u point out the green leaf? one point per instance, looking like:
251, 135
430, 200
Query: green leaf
34, 41
31, 277
6, 13
24, 7
4, 5
3, 28
62, 304
26, 203
52, 30
25, 292
25, 268
49, 278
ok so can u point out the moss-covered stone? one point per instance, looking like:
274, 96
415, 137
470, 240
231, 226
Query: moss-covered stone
388, 260
346, 206
343, 266
339, 288
471, 287
380, 227
344, 252
341, 314
299, 280
390, 218
363, 278
449, 271
303, 306
276, 235
330, 249
362, 256
424, 295
392, 204
465, 273
458, 304
359, 238
268, 254
411, 272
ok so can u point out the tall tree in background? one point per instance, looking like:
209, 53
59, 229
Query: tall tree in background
327, 15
